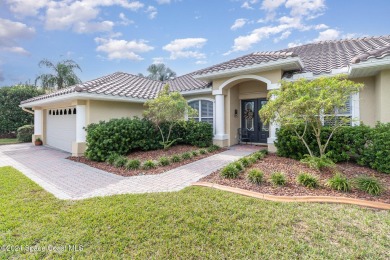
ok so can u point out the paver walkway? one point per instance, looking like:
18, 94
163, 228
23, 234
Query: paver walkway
67, 179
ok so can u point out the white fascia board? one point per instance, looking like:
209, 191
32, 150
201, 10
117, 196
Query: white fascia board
310, 75
195, 92
80, 95
294, 61
373, 64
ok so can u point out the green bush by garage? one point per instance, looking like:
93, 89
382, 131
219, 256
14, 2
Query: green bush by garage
24, 133
121, 136
368, 146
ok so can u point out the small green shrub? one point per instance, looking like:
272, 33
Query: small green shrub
24, 133
195, 153
213, 148
245, 162
238, 165
149, 164
186, 156
252, 159
230, 171
175, 159
112, 158
339, 182
258, 155
202, 151
308, 180
133, 164
255, 176
120, 161
317, 163
163, 161
278, 178
369, 184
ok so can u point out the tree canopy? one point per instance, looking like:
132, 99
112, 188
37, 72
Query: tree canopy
169, 108
63, 74
159, 72
310, 103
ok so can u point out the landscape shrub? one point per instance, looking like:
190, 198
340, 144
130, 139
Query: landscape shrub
238, 165
149, 164
120, 161
278, 178
213, 148
176, 158
259, 155
124, 135
24, 133
255, 176
369, 184
111, 158
230, 171
202, 151
132, 164
186, 156
252, 159
317, 163
308, 180
245, 162
366, 145
195, 153
163, 161
339, 182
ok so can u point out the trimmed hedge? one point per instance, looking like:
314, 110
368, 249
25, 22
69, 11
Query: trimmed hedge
366, 145
24, 133
121, 136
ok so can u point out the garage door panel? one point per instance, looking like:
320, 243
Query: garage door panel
61, 129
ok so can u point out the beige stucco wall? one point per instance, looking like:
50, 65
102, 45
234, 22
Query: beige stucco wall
382, 96
367, 108
199, 96
106, 110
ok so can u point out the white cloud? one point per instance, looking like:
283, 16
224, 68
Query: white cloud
238, 23
26, 7
162, 2
246, 5
122, 49
186, 48
283, 36
151, 11
158, 60
271, 5
321, 26
11, 32
330, 34
294, 44
200, 62
309, 8
124, 19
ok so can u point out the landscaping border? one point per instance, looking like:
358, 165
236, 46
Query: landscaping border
327, 199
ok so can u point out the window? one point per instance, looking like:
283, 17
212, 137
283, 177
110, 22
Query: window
343, 116
205, 110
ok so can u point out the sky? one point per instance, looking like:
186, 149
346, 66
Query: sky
106, 36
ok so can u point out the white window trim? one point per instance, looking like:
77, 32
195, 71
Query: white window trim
205, 99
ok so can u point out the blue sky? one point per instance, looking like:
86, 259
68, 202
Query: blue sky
105, 36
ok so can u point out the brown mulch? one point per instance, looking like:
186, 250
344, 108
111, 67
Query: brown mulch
291, 168
148, 155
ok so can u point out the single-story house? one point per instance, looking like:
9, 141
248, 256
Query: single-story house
228, 95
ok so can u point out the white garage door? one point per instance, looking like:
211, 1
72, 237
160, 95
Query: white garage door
61, 128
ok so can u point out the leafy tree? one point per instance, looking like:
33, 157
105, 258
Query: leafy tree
159, 72
309, 104
63, 74
11, 115
167, 108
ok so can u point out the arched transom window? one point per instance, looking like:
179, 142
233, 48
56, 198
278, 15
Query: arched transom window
205, 110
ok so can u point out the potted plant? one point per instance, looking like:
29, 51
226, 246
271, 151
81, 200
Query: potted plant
38, 141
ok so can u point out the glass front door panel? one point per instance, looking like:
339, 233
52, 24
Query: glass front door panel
264, 127
249, 116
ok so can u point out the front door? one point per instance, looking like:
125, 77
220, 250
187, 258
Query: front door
251, 122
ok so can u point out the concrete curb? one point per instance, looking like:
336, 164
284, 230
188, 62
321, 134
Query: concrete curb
327, 199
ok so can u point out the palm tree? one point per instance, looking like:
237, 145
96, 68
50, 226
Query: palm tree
62, 77
160, 72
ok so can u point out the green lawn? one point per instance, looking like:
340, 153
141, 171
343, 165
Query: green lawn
8, 141
194, 223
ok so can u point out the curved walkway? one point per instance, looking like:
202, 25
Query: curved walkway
67, 179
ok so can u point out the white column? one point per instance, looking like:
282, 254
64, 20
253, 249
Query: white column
355, 107
272, 133
80, 124
38, 122
220, 117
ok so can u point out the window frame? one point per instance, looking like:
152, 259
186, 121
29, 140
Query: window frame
200, 109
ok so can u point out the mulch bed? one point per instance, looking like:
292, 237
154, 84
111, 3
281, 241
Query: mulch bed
148, 155
291, 168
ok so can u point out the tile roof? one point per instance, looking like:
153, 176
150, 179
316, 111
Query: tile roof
322, 57
248, 60
128, 85
318, 58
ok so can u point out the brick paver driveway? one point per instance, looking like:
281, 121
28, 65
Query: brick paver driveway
67, 179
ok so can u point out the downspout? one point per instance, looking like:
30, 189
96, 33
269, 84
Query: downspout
28, 111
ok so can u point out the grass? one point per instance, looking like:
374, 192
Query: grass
9, 141
193, 223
